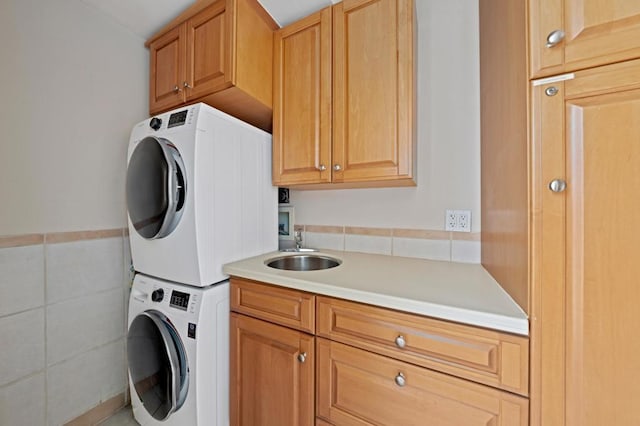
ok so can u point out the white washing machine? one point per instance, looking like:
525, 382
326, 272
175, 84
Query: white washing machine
178, 353
199, 194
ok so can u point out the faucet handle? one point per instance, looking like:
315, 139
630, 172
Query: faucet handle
297, 236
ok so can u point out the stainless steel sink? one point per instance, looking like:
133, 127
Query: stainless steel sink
303, 262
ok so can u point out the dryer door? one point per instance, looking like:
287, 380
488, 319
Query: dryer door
157, 364
156, 187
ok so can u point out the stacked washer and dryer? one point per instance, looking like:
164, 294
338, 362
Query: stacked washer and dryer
199, 195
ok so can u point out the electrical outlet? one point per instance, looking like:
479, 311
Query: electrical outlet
457, 220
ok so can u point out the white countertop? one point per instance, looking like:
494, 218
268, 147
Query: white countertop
459, 292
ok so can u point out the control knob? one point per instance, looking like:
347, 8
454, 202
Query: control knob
157, 295
155, 123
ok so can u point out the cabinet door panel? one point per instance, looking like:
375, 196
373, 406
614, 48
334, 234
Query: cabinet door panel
209, 50
167, 70
373, 90
302, 101
596, 32
269, 385
586, 294
356, 387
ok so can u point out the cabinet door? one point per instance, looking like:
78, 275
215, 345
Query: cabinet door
302, 101
596, 32
209, 41
357, 387
373, 90
586, 293
167, 70
272, 375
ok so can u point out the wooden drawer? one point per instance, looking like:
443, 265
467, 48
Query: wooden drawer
485, 356
356, 387
291, 308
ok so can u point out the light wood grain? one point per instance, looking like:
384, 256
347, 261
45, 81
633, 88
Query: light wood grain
167, 70
268, 384
283, 306
302, 101
356, 387
597, 33
497, 359
504, 147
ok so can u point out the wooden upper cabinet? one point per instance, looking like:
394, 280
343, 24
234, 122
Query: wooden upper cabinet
302, 101
596, 32
218, 52
344, 97
373, 90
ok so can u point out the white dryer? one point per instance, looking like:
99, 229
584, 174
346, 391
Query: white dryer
178, 353
199, 194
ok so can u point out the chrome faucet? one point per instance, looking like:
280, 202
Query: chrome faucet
297, 236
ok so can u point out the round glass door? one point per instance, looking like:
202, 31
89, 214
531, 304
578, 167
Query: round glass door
157, 364
156, 187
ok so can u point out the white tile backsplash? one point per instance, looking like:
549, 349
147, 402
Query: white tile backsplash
23, 402
81, 383
320, 240
83, 267
465, 251
21, 278
422, 248
367, 244
83, 323
23, 346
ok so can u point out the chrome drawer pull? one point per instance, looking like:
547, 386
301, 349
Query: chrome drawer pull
400, 342
400, 380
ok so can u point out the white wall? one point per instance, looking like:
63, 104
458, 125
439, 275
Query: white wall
448, 135
72, 84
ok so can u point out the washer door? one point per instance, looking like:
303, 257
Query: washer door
157, 364
156, 187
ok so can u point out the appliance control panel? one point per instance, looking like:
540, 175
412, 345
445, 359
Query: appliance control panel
179, 300
177, 119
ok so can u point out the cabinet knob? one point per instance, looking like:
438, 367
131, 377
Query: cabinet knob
337, 167
186, 85
400, 380
557, 185
551, 91
322, 167
555, 37
176, 89
400, 342
302, 357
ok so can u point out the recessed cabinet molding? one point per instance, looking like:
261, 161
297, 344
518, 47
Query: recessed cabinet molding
372, 365
218, 52
344, 97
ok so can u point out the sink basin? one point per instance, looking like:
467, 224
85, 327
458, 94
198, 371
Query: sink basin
303, 262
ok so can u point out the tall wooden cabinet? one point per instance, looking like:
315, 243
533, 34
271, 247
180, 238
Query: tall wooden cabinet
218, 52
344, 96
560, 198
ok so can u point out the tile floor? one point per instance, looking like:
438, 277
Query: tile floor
123, 417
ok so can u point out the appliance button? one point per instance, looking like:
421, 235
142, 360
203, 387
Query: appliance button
157, 295
155, 123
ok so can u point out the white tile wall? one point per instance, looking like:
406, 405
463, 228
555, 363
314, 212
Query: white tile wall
465, 251
83, 267
22, 350
319, 240
23, 402
367, 244
422, 248
79, 384
77, 325
21, 278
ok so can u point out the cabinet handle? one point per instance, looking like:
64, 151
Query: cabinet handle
400, 380
176, 89
337, 167
186, 85
557, 185
302, 357
400, 342
554, 38
322, 167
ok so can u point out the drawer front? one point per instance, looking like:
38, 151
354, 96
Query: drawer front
291, 308
485, 356
356, 387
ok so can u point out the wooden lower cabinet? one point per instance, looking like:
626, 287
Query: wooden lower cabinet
272, 374
356, 387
